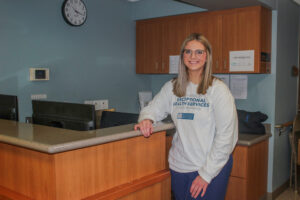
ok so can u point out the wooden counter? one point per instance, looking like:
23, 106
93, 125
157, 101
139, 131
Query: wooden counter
249, 174
46, 163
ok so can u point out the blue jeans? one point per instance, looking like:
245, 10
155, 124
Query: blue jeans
216, 190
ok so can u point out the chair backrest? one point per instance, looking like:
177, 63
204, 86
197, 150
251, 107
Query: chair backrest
296, 123
294, 137
110, 119
9, 107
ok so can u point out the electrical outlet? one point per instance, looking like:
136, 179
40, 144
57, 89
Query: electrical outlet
99, 104
89, 102
38, 96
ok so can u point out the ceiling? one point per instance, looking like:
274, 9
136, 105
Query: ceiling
226, 4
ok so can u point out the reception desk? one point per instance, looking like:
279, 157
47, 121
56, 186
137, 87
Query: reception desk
45, 163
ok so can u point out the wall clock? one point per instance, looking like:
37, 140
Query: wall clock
74, 12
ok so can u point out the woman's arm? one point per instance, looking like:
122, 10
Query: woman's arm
156, 110
226, 132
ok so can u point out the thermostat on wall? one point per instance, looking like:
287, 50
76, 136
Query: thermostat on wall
39, 74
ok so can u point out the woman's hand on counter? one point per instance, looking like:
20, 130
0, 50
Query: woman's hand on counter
145, 127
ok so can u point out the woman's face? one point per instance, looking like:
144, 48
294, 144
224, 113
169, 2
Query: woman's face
194, 56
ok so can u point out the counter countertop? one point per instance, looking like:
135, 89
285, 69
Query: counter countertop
54, 140
251, 139
245, 139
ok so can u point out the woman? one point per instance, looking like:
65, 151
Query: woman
204, 113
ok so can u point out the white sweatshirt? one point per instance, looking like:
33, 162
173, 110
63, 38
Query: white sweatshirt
206, 127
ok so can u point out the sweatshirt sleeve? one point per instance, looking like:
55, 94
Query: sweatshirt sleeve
160, 106
226, 134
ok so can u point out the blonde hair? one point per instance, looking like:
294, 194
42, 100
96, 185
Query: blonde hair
180, 83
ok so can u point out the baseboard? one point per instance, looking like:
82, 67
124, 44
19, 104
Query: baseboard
273, 195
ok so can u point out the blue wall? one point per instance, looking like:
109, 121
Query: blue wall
286, 84
94, 61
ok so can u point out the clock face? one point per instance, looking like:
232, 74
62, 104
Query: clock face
74, 12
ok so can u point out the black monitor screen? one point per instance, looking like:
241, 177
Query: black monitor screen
72, 116
9, 107
110, 119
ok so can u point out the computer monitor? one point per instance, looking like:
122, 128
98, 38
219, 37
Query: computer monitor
9, 107
110, 119
72, 116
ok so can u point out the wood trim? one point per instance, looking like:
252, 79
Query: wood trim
128, 188
7, 194
168, 147
284, 125
287, 124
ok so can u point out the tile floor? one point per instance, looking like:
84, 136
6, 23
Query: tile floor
288, 194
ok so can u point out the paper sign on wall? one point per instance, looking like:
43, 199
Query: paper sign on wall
174, 62
241, 60
239, 86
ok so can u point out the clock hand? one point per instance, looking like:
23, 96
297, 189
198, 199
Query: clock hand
77, 12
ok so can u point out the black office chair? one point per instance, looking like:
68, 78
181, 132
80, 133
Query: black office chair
110, 119
9, 107
294, 151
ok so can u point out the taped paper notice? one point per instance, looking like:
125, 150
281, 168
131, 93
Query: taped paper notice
238, 86
241, 60
174, 62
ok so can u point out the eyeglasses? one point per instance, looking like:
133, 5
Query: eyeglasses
198, 52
